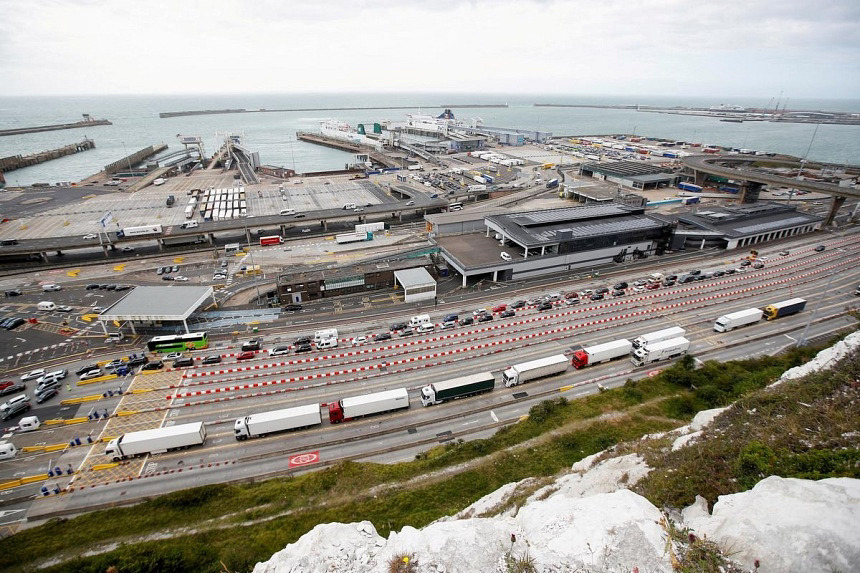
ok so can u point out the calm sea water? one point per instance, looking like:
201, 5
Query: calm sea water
136, 125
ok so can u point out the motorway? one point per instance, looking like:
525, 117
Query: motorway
217, 395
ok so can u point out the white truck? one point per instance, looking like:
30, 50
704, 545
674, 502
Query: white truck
258, 425
376, 403
601, 353
156, 441
734, 320
522, 373
663, 350
658, 336
418, 320
325, 334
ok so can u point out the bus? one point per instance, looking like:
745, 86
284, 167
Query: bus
179, 342
235, 248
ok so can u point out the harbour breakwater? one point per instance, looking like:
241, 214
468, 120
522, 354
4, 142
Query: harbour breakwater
39, 128
167, 114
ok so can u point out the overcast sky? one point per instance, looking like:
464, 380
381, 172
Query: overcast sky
804, 48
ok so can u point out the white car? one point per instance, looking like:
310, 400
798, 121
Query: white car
33, 375
218, 277
173, 356
128, 249
447, 325
89, 236
94, 373
51, 287
64, 308
359, 340
180, 278
279, 351
639, 288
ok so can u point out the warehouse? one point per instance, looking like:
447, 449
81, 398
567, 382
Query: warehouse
630, 174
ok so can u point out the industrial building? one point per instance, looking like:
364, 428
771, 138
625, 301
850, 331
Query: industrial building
631, 174
326, 283
741, 226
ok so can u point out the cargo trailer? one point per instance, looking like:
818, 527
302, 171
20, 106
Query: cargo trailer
526, 371
258, 425
663, 350
601, 353
471, 385
737, 319
367, 405
156, 441
658, 336
784, 308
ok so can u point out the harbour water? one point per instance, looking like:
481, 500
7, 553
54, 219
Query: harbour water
136, 125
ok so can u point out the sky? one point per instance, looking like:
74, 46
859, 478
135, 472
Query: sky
802, 48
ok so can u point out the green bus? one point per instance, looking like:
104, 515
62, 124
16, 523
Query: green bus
179, 342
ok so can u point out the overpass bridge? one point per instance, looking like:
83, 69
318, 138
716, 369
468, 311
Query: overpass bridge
740, 168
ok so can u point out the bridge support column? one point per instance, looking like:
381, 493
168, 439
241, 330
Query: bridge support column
400, 215
324, 225
44, 256
699, 178
160, 245
105, 249
210, 238
838, 201
247, 236
750, 192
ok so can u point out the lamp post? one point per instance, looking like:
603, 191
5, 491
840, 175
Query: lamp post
127, 158
802, 340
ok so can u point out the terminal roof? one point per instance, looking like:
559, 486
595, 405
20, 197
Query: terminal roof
158, 303
743, 221
411, 278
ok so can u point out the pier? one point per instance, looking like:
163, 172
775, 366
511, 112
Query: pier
19, 161
135, 158
167, 114
86, 122
377, 157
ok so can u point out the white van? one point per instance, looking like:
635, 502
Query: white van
159, 181
327, 343
47, 305
321, 335
419, 320
505, 256
29, 424
426, 327
7, 450
287, 212
51, 287
189, 225
349, 206
115, 336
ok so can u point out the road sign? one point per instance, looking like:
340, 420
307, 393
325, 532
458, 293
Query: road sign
106, 218
304, 459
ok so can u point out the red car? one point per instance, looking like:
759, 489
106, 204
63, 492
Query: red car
500, 308
652, 286
247, 355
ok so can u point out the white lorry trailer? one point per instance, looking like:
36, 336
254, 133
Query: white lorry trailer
662, 350
257, 425
156, 441
658, 336
366, 405
522, 373
601, 353
734, 320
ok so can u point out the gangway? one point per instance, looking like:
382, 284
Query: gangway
419, 152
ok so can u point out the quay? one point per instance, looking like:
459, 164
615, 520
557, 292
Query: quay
377, 157
133, 159
14, 162
86, 122
167, 114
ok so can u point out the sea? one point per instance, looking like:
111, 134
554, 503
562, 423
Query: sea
136, 125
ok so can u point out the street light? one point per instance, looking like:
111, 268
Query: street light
802, 340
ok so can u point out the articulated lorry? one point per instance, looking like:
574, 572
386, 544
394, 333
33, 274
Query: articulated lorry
663, 350
734, 320
367, 405
601, 353
658, 336
156, 441
522, 373
471, 385
784, 308
257, 425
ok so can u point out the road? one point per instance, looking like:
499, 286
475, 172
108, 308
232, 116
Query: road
220, 394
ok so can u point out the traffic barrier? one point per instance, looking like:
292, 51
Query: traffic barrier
81, 400
71, 421
101, 467
97, 380
33, 479
56, 447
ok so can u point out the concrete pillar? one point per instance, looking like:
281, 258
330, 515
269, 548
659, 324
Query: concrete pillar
185, 324
834, 207
44, 256
160, 245
400, 216
464, 281
105, 249
495, 276
210, 238
104, 327
247, 236
324, 225
702, 246
542, 250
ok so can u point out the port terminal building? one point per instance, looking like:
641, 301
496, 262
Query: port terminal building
631, 174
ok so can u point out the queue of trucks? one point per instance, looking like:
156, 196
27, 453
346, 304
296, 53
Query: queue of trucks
733, 320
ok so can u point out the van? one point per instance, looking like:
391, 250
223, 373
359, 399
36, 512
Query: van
419, 320
349, 206
7, 450
321, 335
505, 256
189, 225
29, 424
47, 305
115, 336
425, 327
287, 212
327, 343
159, 181
51, 287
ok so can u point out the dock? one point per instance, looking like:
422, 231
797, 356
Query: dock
135, 158
168, 114
87, 122
345, 146
14, 162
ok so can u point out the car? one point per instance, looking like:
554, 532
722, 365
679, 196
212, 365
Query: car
719, 273
33, 374
86, 368
154, 365
92, 286
306, 230
15, 409
407, 332
116, 363
111, 287
89, 236
302, 340
15, 323
506, 257
9, 242
137, 359
11, 388
784, 253
175, 268
292, 308
672, 278
545, 306
47, 385
183, 362
597, 296
127, 249
687, 279
451, 318
652, 286
299, 216
303, 348
731, 271
13, 292
507, 313
602, 290
638, 289
181, 279
669, 283
702, 277
359, 340
224, 264
410, 203
758, 265
358, 210
246, 355
89, 374
218, 276
518, 304
382, 336
448, 325
467, 321
398, 326
819, 248
500, 308
695, 273
479, 311
620, 286
173, 356
160, 271
167, 278
279, 351
213, 359
253, 344
640, 283
619, 292
746, 263
484, 318
55, 375
571, 301
104, 286
51, 287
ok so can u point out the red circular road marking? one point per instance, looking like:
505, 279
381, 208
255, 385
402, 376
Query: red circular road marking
304, 459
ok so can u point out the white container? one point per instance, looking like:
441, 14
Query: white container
7, 450
47, 305
29, 424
